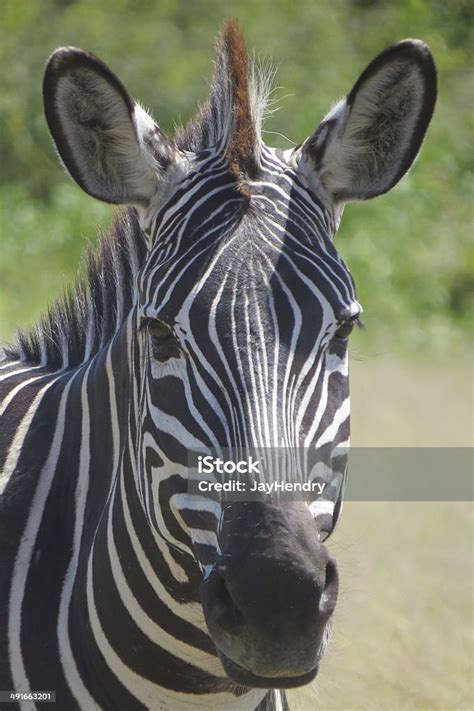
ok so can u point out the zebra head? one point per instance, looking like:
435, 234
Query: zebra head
241, 314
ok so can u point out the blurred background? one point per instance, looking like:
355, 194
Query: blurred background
402, 634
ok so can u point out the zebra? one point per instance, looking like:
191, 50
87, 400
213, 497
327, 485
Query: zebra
215, 314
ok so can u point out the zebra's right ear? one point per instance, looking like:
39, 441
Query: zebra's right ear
370, 139
109, 145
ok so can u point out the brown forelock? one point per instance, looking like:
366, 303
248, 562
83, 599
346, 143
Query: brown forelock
242, 149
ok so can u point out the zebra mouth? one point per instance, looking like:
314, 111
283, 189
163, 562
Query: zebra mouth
245, 677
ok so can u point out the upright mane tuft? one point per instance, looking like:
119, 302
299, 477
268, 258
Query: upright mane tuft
243, 145
230, 120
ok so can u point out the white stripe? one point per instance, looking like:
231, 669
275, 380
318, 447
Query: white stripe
7, 400
12, 373
340, 416
21, 432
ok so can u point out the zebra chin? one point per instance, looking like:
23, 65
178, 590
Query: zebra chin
269, 599
240, 675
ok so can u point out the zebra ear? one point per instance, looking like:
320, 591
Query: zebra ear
370, 139
110, 146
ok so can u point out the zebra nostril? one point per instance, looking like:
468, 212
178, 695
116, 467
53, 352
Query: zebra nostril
230, 617
331, 573
328, 599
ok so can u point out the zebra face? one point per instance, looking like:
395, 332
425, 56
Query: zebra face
244, 323
240, 320
243, 329
243, 352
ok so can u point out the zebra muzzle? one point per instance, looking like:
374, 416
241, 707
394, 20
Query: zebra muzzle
269, 598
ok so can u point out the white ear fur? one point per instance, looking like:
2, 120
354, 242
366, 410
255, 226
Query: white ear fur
370, 139
109, 145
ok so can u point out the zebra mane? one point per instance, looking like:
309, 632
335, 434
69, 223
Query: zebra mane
231, 119
88, 315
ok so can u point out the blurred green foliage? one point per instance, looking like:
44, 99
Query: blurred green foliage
411, 252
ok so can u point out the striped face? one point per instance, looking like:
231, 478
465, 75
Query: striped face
245, 307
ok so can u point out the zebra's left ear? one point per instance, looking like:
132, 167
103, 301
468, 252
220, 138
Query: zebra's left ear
109, 145
370, 139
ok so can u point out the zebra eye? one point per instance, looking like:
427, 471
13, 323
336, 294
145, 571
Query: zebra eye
346, 327
158, 329
163, 340
344, 330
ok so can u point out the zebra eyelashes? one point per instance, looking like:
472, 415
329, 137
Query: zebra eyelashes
346, 327
163, 339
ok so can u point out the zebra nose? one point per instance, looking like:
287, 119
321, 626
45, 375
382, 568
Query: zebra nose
270, 596
230, 617
267, 616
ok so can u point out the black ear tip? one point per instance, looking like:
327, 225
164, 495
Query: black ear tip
411, 51
415, 45
63, 59
66, 60
65, 52
420, 51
